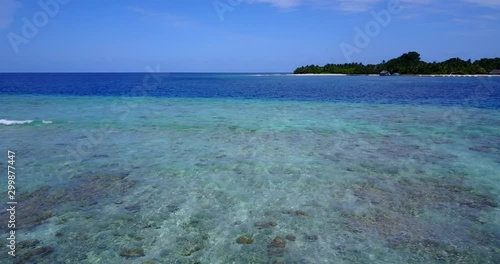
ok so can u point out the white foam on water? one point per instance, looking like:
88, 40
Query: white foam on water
14, 122
47, 122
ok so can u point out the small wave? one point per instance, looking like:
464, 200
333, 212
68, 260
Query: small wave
14, 122
47, 122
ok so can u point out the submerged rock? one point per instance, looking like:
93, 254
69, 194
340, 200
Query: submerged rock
278, 242
296, 213
172, 208
133, 208
192, 243
311, 238
244, 240
290, 237
132, 253
276, 247
191, 248
268, 224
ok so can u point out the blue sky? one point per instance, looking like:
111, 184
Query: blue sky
238, 35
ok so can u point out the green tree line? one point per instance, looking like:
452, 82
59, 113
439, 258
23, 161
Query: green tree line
408, 63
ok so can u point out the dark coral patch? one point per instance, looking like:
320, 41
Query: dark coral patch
33, 255
485, 149
82, 191
407, 214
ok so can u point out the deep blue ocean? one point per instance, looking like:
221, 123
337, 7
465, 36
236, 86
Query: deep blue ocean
251, 168
482, 92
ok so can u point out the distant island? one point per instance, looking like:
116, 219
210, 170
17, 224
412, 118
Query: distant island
408, 63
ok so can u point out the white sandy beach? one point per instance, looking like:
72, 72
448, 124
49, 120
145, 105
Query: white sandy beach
419, 75
465, 75
375, 75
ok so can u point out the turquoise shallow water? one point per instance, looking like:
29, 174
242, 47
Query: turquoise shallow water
129, 180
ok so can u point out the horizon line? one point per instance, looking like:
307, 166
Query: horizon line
150, 72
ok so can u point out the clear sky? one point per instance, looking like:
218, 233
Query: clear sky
238, 35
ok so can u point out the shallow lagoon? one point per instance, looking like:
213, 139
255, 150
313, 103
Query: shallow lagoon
130, 180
